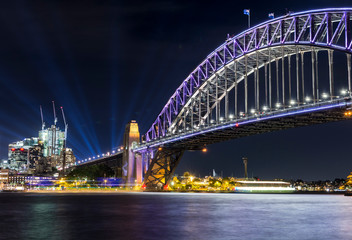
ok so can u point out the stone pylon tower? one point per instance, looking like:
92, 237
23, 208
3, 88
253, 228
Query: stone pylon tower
131, 163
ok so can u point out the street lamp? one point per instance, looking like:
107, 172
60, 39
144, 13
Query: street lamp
343, 91
325, 95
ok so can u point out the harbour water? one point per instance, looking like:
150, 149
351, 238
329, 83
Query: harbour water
174, 216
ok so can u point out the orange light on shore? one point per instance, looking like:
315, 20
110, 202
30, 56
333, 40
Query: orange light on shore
204, 150
348, 113
160, 148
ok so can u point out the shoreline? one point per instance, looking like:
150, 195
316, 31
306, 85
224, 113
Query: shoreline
141, 191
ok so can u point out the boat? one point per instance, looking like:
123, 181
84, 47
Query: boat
257, 186
13, 189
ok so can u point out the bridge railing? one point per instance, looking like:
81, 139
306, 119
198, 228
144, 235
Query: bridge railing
343, 101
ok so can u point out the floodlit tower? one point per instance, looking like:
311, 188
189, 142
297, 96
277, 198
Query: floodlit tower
131, 163
245, 162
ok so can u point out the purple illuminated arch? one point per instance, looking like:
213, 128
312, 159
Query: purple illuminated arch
325, 28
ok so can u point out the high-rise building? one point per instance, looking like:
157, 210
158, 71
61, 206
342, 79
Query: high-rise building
53, 141
41, 154
21, 155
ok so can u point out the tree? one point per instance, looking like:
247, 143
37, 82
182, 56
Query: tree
91, 172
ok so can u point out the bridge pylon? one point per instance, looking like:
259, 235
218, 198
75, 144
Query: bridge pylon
131, 163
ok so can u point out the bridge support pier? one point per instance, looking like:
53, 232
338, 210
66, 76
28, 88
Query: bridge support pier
131, 162
162, 168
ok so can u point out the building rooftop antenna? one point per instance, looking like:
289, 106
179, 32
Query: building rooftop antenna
55, 118
41, 114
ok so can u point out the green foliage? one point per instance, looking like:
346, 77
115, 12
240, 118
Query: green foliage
91, 172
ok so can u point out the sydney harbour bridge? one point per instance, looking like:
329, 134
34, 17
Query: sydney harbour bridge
277, 75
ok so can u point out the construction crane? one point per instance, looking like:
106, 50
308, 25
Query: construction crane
65, 138
55, 118
41, 114
66, 125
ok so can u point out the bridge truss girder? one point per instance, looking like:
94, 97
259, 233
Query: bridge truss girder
263, 124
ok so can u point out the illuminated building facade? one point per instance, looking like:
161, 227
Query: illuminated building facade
53, 141
39, 155
23, 155
4, 176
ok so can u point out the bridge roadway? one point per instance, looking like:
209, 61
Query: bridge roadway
299, 116
114, 161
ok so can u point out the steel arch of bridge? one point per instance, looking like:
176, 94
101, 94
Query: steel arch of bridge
243, 54
198, 112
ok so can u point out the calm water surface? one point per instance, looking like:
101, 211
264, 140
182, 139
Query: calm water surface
174, 216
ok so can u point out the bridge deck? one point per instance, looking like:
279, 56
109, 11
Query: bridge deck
280, 120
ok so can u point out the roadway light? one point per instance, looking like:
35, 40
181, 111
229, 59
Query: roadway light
278, 105
343, 92
292, 102
212, 121
93, 157
89, 159
113, 151
265, 108
348, 113
252, 110
204, 150
103, 154
308, 99
231, 116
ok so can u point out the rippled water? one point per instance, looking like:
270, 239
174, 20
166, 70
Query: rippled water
174, 216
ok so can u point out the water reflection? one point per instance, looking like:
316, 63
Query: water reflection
175, 216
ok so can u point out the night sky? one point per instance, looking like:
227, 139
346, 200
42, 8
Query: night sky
107, 62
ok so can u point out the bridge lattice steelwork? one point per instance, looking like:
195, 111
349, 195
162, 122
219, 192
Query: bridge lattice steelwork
257, 81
